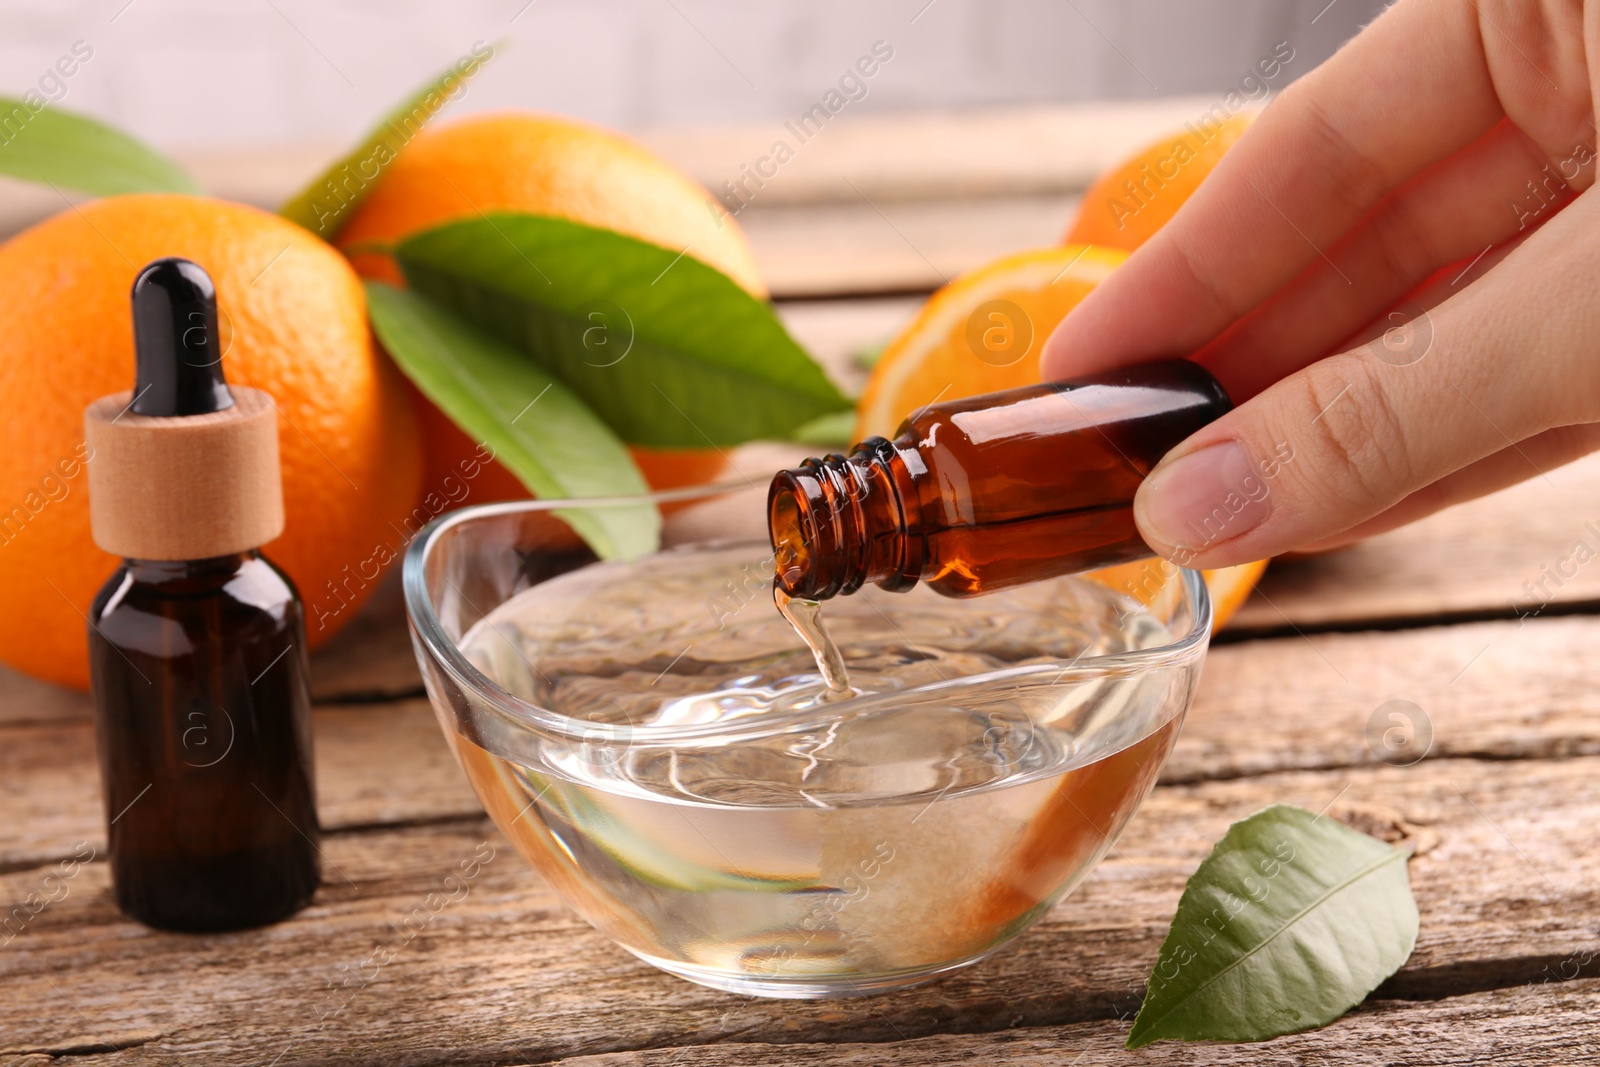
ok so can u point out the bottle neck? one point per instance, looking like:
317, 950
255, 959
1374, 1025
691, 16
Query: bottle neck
841, 521
188, 574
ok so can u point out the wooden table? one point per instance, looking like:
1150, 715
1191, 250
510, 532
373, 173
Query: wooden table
1502, 812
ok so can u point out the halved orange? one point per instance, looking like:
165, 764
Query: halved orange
982, 333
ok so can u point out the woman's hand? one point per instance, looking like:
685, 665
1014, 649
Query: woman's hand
1449, 143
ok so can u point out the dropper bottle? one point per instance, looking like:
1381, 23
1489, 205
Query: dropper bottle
197, 642
991, 491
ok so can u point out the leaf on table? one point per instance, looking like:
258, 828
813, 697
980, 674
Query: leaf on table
670, 352
1290, 922
326, 204
47, 144
537, 428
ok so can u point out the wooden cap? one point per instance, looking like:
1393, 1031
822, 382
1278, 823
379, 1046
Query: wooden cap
186, 487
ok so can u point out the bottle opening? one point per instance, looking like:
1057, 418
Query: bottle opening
794, 536
837, 522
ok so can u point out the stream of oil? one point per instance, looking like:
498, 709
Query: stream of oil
806, 618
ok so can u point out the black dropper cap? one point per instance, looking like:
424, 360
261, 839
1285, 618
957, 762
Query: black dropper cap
178, 354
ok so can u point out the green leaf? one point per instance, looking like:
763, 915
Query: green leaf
537, 428
327, 202
57, 147
1290, 922
668, 351
835, 430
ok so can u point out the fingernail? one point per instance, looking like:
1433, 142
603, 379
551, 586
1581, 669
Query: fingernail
1202, 499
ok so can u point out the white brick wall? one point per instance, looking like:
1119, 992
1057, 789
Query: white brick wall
198, 74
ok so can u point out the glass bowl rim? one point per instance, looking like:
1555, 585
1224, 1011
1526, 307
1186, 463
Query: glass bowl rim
429, 631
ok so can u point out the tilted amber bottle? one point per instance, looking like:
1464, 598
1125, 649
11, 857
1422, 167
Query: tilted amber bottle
992, 491
197, 643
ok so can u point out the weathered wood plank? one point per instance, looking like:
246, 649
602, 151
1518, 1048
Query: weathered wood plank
1514, 552
972, 154
929, 155
873, 246
371, 658
24, 700
1493, 690
386, 763
1506, 885
938, 154
375, 764
1553, 1024
861, 245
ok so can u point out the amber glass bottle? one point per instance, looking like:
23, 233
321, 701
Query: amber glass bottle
197, 643
992, 491
203, 723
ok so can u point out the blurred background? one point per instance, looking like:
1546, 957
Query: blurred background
975, 135
198, 75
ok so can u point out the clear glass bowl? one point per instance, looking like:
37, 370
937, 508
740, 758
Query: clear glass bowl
792, 847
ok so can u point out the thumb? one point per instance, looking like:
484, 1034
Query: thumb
1317, 453
1350, 436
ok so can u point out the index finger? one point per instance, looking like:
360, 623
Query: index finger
1411, 89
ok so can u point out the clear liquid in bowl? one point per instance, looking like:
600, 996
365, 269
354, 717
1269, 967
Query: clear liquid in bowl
832, 846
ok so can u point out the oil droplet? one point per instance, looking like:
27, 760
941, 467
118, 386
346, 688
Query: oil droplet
806, 618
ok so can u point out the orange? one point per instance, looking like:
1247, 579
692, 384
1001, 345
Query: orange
1134, 199
294, 323
1142, 579
982, 333
518, 161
